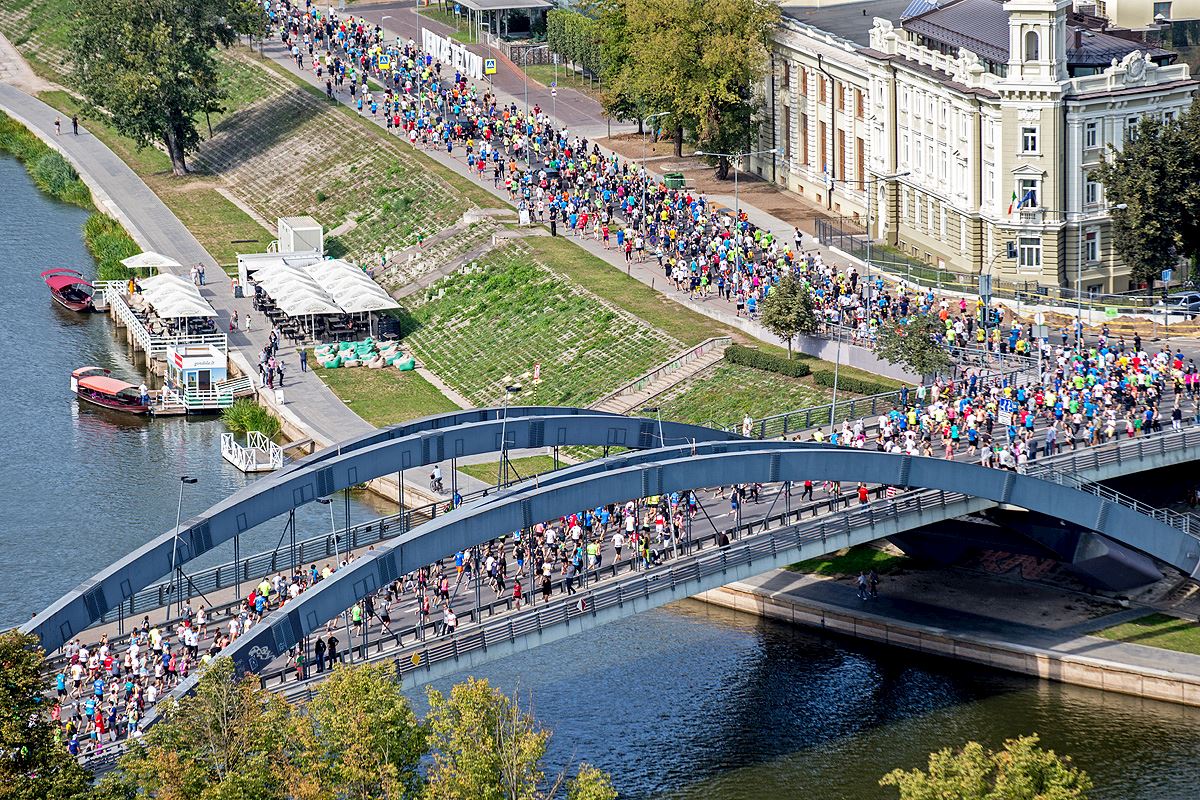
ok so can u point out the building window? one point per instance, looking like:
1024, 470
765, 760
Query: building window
787, 134
804, 139
1091, 246
1162, 10
841, 96
803, 87
1131, 128
1029, 139
785, 78
1089, 135
821, 91
904, 98
1091, 191
1029, 253
1031, 46
905, 151
858, 104
1027, 191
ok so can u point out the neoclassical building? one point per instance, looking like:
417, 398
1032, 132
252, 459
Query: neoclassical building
994, 116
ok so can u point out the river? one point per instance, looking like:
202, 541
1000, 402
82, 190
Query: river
683, 703
84, 485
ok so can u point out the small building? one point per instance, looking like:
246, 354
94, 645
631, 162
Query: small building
196, 368
300, 234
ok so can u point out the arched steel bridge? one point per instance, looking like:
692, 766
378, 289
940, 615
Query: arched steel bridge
426, 441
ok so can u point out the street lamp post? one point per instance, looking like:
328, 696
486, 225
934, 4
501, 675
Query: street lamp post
503, 471
175, 567
645, 156
737, 208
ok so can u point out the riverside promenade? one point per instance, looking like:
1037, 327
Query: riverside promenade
1070, 654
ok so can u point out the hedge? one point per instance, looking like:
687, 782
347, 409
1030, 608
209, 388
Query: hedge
750, 357
852, 384
575, 37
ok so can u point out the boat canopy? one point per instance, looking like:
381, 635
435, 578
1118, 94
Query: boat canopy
60, 282
106, 385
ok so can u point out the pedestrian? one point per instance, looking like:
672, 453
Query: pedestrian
75, 124
57, 126
862, 585
303, 359
873, 583
233, 321
247, 321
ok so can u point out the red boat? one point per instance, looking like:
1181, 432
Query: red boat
69, 288
96, 385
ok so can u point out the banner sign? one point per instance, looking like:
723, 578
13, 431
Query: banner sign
452, 54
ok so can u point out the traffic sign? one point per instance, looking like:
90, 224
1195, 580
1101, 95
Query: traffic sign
1166, 275
985, 287
489, 66
1008, 407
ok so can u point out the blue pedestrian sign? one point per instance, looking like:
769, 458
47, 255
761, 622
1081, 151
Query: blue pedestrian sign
1008, 407
489, 66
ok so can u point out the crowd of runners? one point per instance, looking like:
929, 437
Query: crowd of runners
1083, 391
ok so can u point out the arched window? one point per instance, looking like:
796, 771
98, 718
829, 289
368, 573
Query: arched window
1031, 46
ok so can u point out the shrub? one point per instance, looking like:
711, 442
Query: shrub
768, 362
108, 243
853, 384
245, 415
52, 173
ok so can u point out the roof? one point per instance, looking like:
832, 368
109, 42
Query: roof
56, 282
981, 26
502, 5
104, 384
847, 20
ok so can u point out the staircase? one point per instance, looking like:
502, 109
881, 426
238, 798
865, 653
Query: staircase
664, 377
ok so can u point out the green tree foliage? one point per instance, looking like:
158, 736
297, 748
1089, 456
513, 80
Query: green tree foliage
699, 60
1157, 176
590, 784
149, 64
914, 345
485, 746
229, 739
575, 37
787, 311
33, 765
369, 741
1022, 770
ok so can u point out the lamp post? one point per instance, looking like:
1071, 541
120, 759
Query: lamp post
870, 200
175, 568
657, 412
328, 501
503, 472
645, 156
734, 158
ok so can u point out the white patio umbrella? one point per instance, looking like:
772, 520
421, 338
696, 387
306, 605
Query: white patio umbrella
298, 305
150, 260
358, 303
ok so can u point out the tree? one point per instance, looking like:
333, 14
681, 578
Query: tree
149, 64
33, 765
1156, 174
1022, 770
700, 60
367, 734
231, 738
914, 344
485, 747
591, 784
787, 310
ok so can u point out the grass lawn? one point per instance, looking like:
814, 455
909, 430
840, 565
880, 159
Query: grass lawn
862, 558
1158, 630
567, 78
385, 396
727, 392
462, 33
485, 328
526, 467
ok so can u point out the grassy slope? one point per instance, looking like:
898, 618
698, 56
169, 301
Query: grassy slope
1158, 630
385, 396
727, 392
525, 467
850, 562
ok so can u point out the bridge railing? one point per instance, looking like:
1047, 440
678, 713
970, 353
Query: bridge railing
778, 534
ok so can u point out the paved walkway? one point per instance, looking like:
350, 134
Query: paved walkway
308, 402
1068, 641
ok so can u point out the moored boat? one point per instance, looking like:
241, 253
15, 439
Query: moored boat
69, 288
96, 385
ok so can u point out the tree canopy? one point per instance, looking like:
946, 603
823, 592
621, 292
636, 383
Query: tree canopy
914, 344
34, 765
149, 64
1021, 770
787, 311
1156, 174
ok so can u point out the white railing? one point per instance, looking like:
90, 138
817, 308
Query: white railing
245, 457
154, 344
686, 357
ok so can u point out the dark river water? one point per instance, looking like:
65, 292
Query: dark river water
687, 702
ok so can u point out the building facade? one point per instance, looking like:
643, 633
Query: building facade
968, 133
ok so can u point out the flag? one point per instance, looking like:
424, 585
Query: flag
1028, 198
1012, 201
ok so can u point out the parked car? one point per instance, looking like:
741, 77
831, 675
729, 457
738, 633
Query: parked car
1182, 303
